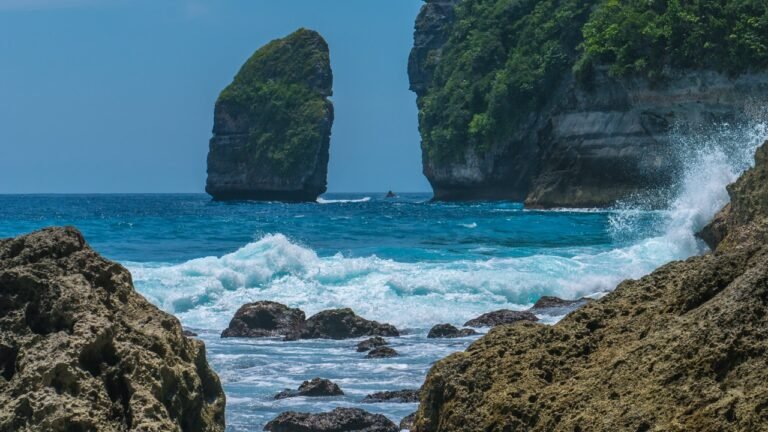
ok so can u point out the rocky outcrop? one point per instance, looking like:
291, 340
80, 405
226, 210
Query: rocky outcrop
338, 420
382, 352
681, 349
499, 317
316, 387
407, 422
272, 125
575, 142
265, 319
371, 343
444, 331
399, 396
80, 350
342, 324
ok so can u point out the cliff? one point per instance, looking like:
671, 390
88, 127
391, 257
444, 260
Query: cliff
681, 349
547, 102
272, 124
80, 350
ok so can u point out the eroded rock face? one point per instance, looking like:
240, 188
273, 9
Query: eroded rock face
80, 350
342, 324
338, 420
499, 317
272, 124
265, 319
316, 387
442, 331
681, 349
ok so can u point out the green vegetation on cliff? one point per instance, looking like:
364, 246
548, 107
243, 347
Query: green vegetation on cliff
503, 59
281, 91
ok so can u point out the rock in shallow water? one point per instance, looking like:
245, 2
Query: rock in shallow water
317, 387
338, 420
265, 319
371, 343
80, 350
499, 317
441, 331
341, 324
382, 352
398, 396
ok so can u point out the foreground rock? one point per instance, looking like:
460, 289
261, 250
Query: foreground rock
382, 352
338, 420
342, 324
265, 319
444, 331
272, 124
682, 349
398, 396
407, 422
317, 387
80, 350
371, 343
499, 317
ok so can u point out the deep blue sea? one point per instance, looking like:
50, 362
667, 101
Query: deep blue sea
406, 261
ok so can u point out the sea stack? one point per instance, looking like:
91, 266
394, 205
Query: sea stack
272, 124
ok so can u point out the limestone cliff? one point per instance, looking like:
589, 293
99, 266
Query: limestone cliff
80, 350
539, 101
682, 349
272, 124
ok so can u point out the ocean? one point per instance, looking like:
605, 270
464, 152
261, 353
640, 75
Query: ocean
406, 261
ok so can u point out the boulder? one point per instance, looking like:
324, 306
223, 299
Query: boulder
407, 422
382, 352
398, 396
342, 324
264, 319
338, 420
371, 343
499, 317
441, 331
317, 387
80, 350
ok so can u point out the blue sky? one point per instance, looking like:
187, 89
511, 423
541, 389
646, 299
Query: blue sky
117, 96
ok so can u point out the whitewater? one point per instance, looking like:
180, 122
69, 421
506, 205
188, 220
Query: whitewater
406, 261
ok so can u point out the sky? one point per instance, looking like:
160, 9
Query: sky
117, 96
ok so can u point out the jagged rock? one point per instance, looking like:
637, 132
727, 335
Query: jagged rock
371, 343
264, 319
342, 324
681, 349
272, 124
407, 422
338, 420
499, 317
448, 331
382, 352
548, 304
398, 396
80, 350
316, 387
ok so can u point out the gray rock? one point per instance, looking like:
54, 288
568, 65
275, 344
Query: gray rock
264, 319
371, 343
317, 387
382, 352
338, 420
398, 396
499, 317
444, 331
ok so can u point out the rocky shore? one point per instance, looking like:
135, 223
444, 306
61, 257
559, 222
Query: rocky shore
80, 350
681, 349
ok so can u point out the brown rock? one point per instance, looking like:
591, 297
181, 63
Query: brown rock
265, 319
442, 331
317, 387
342, 324
499, 317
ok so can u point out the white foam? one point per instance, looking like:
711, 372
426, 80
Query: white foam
342, 201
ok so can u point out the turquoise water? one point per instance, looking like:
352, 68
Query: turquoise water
405, 261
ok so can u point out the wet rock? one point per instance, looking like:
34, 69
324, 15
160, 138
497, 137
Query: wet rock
682, 349
81, 350
441, 331
390, 194
382, 352
264, 319
188, 333
407, 422
342, 324
317, 387
398, 396
499, 317
371, 343
338, 420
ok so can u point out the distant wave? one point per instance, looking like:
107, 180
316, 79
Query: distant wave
342, 201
